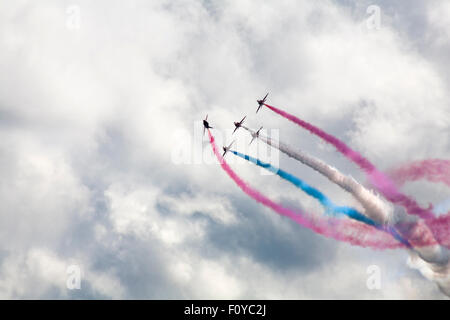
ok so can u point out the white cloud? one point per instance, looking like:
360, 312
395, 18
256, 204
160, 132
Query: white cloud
40, 273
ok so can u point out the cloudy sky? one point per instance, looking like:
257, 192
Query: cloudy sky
103, 165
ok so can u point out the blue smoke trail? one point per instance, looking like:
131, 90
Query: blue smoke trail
330, 207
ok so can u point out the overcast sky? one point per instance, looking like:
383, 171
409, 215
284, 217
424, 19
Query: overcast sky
101, 160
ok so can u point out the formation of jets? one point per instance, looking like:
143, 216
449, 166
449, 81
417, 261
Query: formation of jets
237, 125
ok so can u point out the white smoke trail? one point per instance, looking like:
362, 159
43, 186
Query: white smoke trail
432, 260
438, 273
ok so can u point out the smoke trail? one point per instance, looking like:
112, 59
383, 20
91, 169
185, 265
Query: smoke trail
344, 230
433, 263
433, 170
376, 177
433, 256
375, 208
437, 273
329, 206
440, 226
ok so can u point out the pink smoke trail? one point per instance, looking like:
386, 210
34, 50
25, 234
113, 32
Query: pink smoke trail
440, 228
433, 170
376, 177
344, 230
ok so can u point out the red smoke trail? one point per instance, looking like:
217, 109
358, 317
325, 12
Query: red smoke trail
377, 178
344, 230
